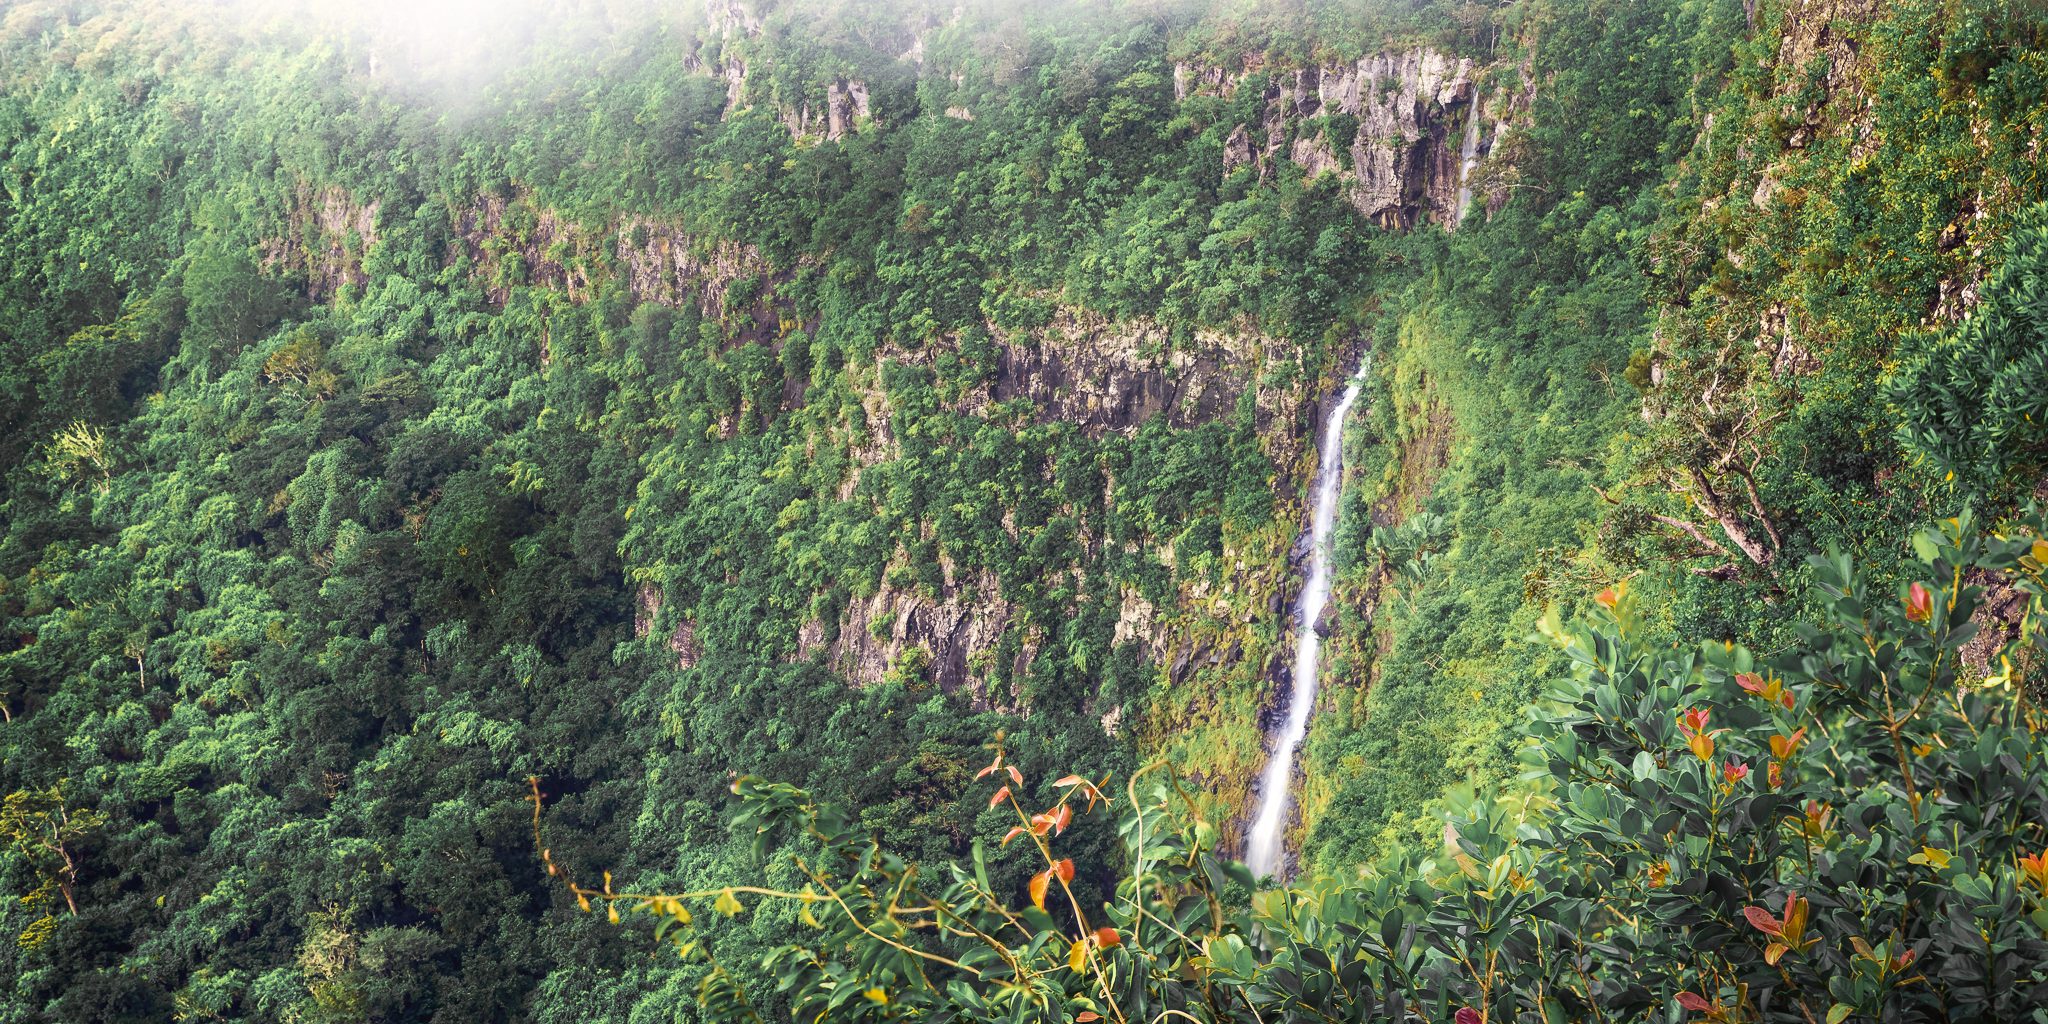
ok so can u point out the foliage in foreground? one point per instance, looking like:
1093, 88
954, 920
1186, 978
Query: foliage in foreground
1853, 827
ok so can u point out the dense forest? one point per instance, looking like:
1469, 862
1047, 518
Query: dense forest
788, 509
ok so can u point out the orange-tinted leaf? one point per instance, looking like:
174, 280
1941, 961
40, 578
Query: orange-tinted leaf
1783, 746
1061, 818
1016, 776
1085, 1016
984, 773
1796, 909
1065, 868
1774, 952
1607, 598
1919, 603
1012, 834
1702, 746
1038, 883
1107, 938
1001, 795
1762, 921
1069, 780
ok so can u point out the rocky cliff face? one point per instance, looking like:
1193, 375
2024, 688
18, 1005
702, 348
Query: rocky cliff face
1104, 376
1107, 378
1817, 92
328, 232
846, 103
513, 241
952, 638
1403, 131
830, 116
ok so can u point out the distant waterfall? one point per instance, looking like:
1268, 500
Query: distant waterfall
1265, 844
1468, 158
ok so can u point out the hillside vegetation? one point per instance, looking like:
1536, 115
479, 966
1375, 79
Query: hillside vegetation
739, 462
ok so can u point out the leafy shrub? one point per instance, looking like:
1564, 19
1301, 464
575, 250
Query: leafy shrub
1855, 826
1971, 402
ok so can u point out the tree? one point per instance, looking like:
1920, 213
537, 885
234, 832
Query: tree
1970, 400
1857, 826
44, 833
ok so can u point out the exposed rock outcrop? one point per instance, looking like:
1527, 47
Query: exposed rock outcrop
328, 232
845, 106
1820, 29
513, 241
1392, 126
1106, 376
664, 264
682, 637
958, 632
732, 24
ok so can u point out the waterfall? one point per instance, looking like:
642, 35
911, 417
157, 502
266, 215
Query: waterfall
1468, 158
1265, 843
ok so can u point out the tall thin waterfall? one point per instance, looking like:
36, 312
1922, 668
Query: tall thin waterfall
1265, 844
1468, 158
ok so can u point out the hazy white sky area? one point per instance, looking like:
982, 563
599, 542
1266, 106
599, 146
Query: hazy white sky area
445, 37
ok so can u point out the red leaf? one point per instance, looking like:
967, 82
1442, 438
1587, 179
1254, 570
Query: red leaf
1066, 869
1762, 921
1466, 1015
1919, 604
1605, 599
1016, 776
1060, 818
984, 773
1107, 938
1693, 1001
1001, 795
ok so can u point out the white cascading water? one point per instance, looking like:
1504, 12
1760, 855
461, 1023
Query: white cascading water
1468, 158
1265, 843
